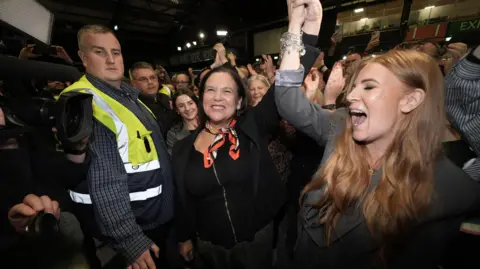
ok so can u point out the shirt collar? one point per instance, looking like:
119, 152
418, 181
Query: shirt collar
102, 85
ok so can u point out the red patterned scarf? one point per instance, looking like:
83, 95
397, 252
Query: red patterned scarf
220, 136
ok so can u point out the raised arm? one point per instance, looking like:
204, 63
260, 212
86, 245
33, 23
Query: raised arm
108, 186
291, 103
463, 104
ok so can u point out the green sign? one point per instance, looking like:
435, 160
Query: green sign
460, 26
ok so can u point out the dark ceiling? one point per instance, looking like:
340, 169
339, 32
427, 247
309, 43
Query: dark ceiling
152, 29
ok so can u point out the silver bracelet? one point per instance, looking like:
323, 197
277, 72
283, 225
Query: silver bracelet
291, 42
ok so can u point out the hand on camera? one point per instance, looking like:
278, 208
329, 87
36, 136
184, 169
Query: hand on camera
145, 260
186, 250
27, 52
20, 214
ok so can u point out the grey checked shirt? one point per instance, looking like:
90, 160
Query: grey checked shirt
463, 106
108, 180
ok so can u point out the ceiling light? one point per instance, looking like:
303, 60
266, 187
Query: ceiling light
257, 60
179, 48
358, 10
202, 35
275, 57
115, 27
189, 45
222, 33
429, 7
194, 43
344, 57
448, 38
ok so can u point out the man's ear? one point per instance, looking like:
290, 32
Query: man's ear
412, 100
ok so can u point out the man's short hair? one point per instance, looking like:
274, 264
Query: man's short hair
139, 65
92, 29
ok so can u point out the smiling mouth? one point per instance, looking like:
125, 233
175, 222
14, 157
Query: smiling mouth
358, 116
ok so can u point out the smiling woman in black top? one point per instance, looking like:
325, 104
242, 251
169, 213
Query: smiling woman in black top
228, 188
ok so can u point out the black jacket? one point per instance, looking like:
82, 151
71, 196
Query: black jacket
257, 124
161, 109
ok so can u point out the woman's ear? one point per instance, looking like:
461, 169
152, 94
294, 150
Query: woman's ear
412, 100
240, 104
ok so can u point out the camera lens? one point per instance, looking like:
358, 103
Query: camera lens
44, 224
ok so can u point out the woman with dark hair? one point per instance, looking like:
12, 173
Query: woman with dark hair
385, 195
228, 188
186, 105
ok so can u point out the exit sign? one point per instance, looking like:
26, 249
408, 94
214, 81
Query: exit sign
460, 26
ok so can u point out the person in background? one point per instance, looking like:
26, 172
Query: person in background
182, 81
385, 195
127, 199
143, 77
163, 77
186, 106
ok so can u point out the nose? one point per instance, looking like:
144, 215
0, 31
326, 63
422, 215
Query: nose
353, 95
217, 96
110, 59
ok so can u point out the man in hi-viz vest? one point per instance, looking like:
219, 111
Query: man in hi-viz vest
127, 199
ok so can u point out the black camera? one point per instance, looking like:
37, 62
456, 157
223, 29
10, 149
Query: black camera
71, 115
43, 225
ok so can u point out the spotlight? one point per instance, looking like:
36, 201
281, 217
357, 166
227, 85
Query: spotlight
201, 35
194, 43
189, 45
115, 27
222, 33
179, 48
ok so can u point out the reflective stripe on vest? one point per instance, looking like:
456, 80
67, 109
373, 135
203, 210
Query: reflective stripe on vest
82, 198
122, 138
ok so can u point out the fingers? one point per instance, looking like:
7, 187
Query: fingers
34, 202
47, 204
136, 266
156, 250
56, 209
297, 3
21, 210
149, 263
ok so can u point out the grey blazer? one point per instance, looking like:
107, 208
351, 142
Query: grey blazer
351, 246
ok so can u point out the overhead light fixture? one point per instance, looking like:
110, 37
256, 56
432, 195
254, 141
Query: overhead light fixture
115, 27
344, 57
257, 60
188, 45
358, 10
222, 33
179, 48
194, 43
202, 35
364, 19
429, 7
448, 38
275, 57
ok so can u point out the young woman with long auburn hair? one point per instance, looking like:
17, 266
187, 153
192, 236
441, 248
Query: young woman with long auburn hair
385, 195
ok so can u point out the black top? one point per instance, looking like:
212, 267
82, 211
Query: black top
234, 189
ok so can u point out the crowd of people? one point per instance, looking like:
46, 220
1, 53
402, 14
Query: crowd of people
312, 162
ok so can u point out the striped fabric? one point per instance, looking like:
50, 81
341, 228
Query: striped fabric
463, 106
211, 153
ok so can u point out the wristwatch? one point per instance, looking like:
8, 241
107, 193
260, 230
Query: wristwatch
330, 107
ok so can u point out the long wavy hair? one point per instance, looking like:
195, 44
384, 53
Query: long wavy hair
406, 186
